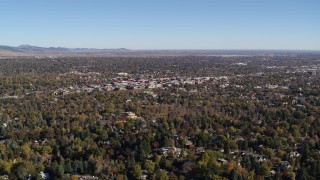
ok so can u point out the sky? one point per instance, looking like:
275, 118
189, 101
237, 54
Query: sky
162, 24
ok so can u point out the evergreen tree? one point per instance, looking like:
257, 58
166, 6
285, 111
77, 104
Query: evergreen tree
303, 174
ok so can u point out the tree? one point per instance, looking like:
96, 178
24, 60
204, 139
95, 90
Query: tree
208, 164
172, 176
137, 171
68, 166
162, 175
18, 171
305, 153
56, 170
149, 166
263, 169
233, 174
5, 167
251, 175
303, 174
226, 147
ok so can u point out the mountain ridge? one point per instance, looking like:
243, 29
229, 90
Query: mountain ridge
27, 46
29, 50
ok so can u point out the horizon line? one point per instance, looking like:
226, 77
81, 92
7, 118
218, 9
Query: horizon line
173, 49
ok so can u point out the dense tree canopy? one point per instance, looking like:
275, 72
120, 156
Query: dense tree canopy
166, 118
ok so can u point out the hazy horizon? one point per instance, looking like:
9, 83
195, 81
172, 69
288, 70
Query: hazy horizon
115, 48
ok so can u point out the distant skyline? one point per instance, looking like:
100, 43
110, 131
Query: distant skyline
162, 24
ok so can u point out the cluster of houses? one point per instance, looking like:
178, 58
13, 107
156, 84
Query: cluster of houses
170, 151
124, 81
312, 69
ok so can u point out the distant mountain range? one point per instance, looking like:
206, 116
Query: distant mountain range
28, 50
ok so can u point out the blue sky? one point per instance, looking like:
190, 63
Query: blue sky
162, 24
